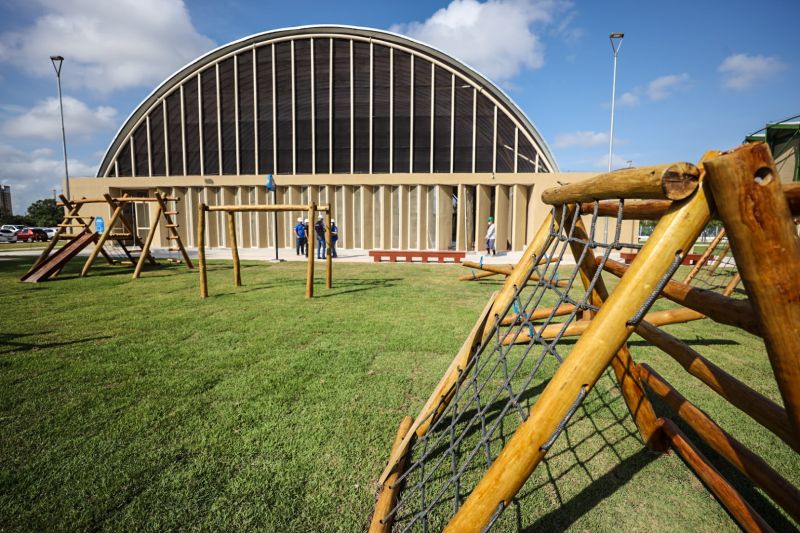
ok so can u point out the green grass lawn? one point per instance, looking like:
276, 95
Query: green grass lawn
6, 246
137, 405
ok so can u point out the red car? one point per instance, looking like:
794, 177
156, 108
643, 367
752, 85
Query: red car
31, 235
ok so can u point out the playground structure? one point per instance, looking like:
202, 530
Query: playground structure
78, 230
312, 209
482, 432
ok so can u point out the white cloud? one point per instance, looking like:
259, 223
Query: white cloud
628, 99
33, 175
664, 86
582, 139
497, 37
43, 120
617, 162
741, 71
107, 45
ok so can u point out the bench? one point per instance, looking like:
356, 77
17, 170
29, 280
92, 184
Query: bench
424, 256
690, 259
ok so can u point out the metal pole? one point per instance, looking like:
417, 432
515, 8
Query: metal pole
615, 48
60, 60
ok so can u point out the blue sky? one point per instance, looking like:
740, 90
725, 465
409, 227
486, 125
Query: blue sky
692, 76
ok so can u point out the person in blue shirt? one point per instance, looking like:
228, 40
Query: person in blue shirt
334, 237
319, 229
300, 234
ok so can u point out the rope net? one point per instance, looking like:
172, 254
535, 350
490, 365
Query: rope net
509, 370
719, 271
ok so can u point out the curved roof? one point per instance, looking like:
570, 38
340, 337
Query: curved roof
140, 118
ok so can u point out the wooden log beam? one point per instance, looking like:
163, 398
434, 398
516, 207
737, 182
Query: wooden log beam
118, 199
505, 271
737, 454
237, 269
475, 276
674, 181
766, 247
388, 493
201, 249
540, 314
718, 260
717, 307
745, 516
268, 208
607, 332
757, 406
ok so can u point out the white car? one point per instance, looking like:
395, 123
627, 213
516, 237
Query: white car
6, 235
51, 232
12, 227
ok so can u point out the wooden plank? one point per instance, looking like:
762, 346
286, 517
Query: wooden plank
674, 181
766, 247
737, 454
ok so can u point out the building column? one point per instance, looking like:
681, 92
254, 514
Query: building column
483, 206
519, 220
532, 223
293, 197
228, 198
209, 195
386, 216
461, 230
502, 216
263, 237
347, 226
281, 194
444, 217
403, 194
422, 217
367, 228
243, 236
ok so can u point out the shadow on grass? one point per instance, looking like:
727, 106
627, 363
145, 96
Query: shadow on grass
691, 342
9, 340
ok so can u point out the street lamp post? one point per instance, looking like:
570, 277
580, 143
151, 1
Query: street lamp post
616, 44
57, 61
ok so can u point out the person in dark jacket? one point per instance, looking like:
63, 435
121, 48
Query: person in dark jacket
319, 229
334, 237
300, 236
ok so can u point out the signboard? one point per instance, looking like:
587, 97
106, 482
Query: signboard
99, 225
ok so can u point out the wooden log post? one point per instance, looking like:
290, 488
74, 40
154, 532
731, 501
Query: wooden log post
757, 406
703, 258
737, 454
328, 255
634, 209
720, 257
101, 242
766, 247
72, 211
201, 249
237, 270
607, 332
312, 213
148, 241
388, 494
745, 516
674, 181
475, 276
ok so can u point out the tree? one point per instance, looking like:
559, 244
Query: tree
44, 213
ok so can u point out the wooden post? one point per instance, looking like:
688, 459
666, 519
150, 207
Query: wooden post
328, 239
99, 244
766, 247
389, 490
741, 511
737, 454
720, 257
607, 332
237, 274
147, 242
312, 213
72, 211
201, 249
703, 258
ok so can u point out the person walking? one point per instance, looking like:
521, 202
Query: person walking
334, 237
319, 229
300, 236
491, 232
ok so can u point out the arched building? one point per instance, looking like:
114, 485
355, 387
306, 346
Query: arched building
413, 149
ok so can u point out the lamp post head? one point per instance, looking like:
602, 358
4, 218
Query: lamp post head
616, 41
57, 60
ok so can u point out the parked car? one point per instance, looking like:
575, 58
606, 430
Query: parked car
7, 235
51, 232
12, 227
32, 235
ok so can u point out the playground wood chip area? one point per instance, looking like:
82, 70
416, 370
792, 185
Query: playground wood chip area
132, 404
